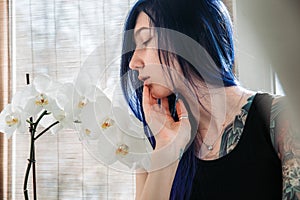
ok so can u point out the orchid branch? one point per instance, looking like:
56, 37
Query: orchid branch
31, 161
45, 130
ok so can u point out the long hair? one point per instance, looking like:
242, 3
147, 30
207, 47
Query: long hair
208, 23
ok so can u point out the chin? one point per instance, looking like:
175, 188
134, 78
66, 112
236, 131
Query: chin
160, 92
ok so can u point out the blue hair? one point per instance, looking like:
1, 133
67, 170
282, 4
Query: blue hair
208, 23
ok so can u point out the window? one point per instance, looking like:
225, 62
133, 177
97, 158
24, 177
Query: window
57, 38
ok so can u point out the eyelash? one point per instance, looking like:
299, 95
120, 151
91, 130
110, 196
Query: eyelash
147, 41
144, 44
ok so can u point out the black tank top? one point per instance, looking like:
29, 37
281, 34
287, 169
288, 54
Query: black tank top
251, 171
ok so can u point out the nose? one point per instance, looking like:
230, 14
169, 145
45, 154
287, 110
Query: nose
136, 61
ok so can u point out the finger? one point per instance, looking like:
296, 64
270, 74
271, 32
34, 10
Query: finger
148, 100
181, 110
146, 95
165, 106
184, 123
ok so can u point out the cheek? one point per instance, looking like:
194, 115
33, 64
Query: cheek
160, 78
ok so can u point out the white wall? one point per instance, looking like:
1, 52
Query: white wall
254, 66
272, 26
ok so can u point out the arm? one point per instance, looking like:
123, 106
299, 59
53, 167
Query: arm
156, 184
171, 138
286, 141
140, 179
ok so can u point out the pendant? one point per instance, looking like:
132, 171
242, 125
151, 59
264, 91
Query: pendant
209, 147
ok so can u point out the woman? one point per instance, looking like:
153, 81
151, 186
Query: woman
212, 139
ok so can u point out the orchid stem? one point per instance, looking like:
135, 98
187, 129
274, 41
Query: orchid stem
45, 130
31, 161
39, 119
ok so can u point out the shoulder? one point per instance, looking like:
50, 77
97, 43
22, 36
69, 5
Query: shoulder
279, 107
281, 128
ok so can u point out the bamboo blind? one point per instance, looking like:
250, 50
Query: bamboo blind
56, 37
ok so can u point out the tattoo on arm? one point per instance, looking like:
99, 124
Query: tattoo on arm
286, 142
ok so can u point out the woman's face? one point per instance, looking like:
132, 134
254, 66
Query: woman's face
145, 59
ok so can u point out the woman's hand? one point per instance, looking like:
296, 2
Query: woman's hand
171, 136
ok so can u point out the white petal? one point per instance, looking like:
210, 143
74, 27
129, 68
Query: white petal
138, 152
93, 92
101, 150
96, 112
82, 83
123, 115
20, 98
48, 120
64, 95
128, 123
9, 121
31, 108
42, 82
106, 151
23, 126
53, 88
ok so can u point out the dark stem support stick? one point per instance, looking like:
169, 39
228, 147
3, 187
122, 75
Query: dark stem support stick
26, 180
31, 150
34, 170
31, 159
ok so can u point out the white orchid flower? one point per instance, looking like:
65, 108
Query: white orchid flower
60, 115
134, 152
124, 116
107, 141
77, 95
95, 117
62, 111
12, 119
37, 96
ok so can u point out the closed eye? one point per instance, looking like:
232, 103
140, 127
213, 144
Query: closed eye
145, 44
147, 41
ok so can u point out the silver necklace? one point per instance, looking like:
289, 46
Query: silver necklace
210, 147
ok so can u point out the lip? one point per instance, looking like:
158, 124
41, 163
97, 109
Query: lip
143, 78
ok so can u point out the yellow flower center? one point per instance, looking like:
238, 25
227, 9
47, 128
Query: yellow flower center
87, 131
11, 120
41, 100
107, 123
82, 102
122, 150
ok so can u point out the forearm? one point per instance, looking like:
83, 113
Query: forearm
158, 183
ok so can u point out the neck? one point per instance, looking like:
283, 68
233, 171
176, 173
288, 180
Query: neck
220, 106
214, 109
